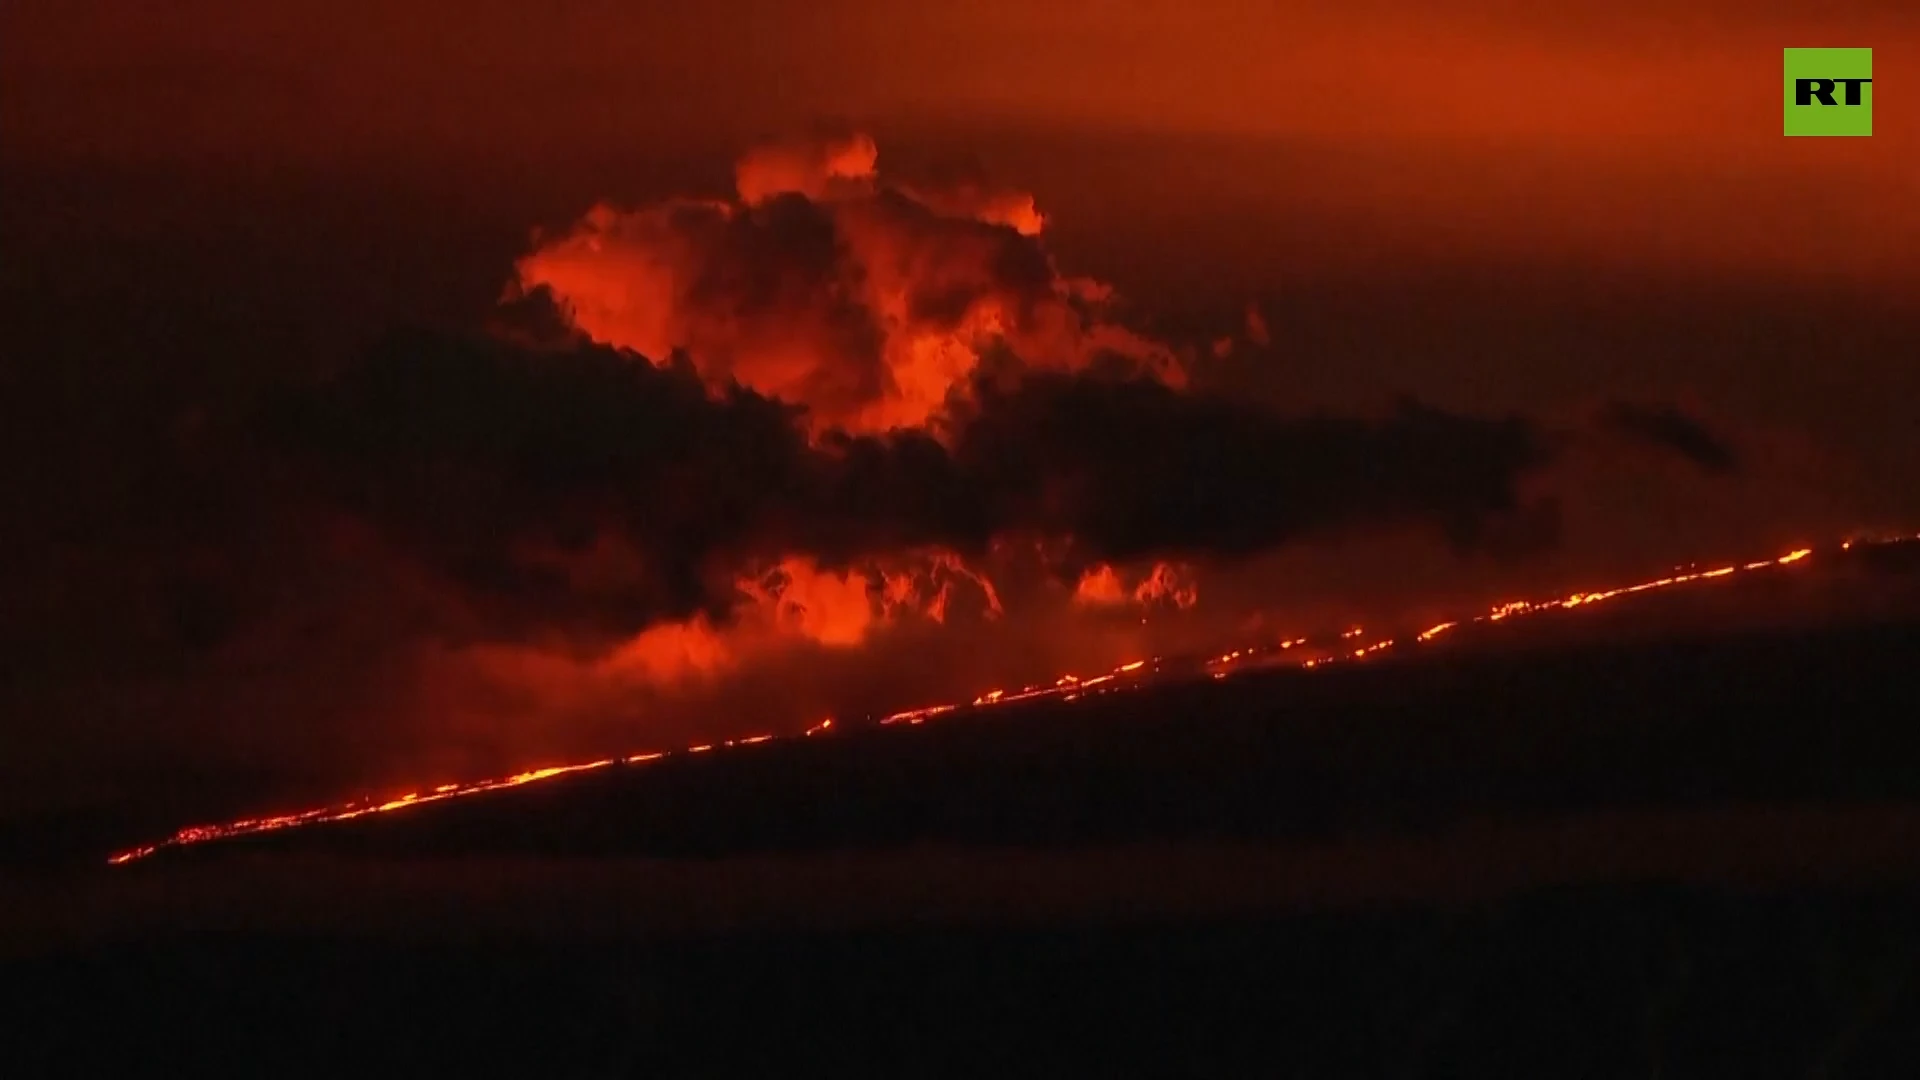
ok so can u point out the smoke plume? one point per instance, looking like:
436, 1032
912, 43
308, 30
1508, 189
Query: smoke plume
1667, 428
866, 301
739, 441
590, 493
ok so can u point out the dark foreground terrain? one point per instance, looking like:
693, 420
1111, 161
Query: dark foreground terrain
1605, 982
1666, 858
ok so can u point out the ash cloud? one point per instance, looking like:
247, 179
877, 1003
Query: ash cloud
1667, 428
869, 300
468, 551
584, 490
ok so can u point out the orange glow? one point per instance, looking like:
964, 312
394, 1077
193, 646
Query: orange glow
1127, 676
1167, 584
1100, 586
829, 607
792, 601
877, 330
810, 169
671, 651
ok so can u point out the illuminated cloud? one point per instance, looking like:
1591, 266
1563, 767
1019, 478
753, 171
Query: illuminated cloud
867, 302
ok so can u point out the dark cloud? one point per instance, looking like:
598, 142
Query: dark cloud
1130, 468
520, 475
1670, 429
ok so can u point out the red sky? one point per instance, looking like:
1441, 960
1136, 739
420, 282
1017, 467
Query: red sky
1490, 203
1637, 135
1631, 132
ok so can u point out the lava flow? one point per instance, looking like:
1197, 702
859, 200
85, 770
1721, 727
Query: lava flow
1130, 675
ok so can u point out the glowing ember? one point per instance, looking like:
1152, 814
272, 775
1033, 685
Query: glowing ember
1068, 687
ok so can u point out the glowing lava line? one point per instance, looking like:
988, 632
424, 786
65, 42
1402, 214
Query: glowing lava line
1127, 676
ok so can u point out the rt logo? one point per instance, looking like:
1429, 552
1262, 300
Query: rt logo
1829, 91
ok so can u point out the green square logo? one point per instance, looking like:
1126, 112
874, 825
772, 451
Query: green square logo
1829, 91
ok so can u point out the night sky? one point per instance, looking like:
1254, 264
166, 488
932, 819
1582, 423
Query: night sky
1583, 215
